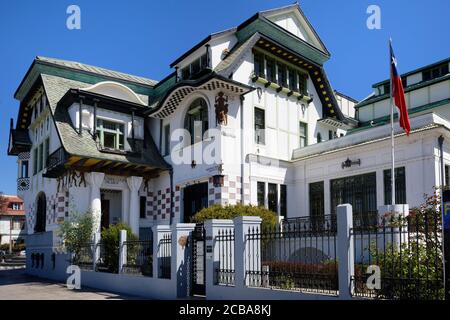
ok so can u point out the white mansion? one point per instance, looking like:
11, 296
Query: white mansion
90, 138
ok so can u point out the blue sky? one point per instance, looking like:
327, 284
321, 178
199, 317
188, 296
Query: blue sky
144, 37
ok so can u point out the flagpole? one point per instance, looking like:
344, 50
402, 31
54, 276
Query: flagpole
392, 129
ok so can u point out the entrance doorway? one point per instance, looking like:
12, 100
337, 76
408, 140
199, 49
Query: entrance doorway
195, 198
111, 202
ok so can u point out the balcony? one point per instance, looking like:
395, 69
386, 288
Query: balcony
23, 184
55, 163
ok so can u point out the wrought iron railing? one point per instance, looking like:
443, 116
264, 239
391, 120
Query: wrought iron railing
164, 256
84, 256
58, 157
404, 257
225, 269
293, 257
139, 257
314, 224
108, 260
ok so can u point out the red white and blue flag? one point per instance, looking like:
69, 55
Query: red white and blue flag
398, 94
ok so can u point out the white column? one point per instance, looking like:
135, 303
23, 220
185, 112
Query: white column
134, 183
95, 180
122, 250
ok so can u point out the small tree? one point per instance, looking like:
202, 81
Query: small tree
75, 232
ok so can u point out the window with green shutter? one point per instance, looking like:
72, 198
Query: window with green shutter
303, 134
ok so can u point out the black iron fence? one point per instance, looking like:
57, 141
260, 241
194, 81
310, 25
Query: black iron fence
165, 254
225, 266
84, 257
108, 260
139, 257
299, 255
399, 258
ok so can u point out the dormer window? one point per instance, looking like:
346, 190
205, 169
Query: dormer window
195, 67
111, 134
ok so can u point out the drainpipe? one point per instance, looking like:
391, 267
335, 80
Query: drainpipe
444, 232
242, 98
80, 116
171, 196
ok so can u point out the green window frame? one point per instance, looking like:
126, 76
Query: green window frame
47, 151
111, 134
303, 134
260, 126
40, 157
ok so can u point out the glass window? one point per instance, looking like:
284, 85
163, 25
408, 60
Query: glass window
186, 72
261, 193
40, 157
111, 134
293, 83
316, 202
361, 192
260, 126
196, 120
47, 151
142, 207
282, 75
166, 139
35, 160
24, 169
259, 65
303, 83
303, 134
447, 176
270, 68
400, 186
272, 197
283, 200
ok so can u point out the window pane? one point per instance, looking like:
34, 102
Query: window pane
400, 186
109, 140
259, 126
142, 207
195, 66
316, 203
282, 75
259, 65
283, 200
273, 197
166, 139
293, 80
270, 65
261, 191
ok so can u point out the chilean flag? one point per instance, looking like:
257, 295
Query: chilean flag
398, 93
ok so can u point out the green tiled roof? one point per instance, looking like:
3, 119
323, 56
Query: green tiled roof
84, 145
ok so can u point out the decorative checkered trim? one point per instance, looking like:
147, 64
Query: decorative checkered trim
174, 100
229, 193
23, 156
158, 204
31, 218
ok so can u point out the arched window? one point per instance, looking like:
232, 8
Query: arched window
319, 137
196, 120
41, 209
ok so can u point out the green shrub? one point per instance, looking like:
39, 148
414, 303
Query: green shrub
110, 241
269, 218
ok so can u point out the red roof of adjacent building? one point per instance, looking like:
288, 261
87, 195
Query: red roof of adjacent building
6, 209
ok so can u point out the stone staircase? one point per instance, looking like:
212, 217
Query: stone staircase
13, 262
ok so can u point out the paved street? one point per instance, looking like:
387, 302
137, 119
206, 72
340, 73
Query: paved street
16, 285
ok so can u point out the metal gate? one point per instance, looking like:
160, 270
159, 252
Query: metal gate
198, 260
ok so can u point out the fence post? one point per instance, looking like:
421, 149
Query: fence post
180, 256
122, 250
242, 226
345, 251
212, 228
96, 250
158, 233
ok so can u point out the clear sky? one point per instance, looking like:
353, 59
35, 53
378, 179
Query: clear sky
144, 37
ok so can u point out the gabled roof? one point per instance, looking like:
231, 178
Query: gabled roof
84, 145
265, 16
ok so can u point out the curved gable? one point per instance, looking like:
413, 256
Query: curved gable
115, 90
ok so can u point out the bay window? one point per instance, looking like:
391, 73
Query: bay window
111, 134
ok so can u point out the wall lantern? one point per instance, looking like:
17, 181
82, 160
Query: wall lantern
218, 180
348, 163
